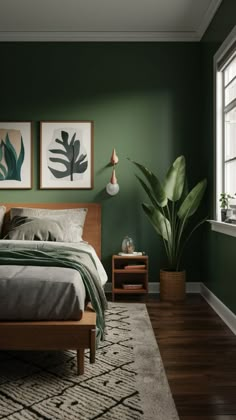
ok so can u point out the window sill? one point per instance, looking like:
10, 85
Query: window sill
221, 227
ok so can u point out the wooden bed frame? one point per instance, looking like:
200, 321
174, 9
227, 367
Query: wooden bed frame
58, 335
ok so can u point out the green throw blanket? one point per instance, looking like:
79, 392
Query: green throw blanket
79, 260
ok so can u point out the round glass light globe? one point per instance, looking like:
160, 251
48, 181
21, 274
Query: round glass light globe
112, 189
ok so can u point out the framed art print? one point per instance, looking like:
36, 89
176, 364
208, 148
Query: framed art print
15, 155
66, 150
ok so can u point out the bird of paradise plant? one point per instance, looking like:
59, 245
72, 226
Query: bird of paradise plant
171, 207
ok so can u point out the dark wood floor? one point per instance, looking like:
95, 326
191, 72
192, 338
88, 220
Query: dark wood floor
199, 354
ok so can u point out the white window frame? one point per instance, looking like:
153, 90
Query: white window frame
216, 224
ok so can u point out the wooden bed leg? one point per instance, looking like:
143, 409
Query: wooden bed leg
92, 345
80, 361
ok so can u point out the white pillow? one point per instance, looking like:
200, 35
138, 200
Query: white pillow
76, 218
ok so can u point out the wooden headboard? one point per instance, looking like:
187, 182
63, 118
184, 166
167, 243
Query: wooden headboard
92, 227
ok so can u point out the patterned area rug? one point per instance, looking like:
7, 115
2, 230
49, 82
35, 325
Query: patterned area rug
127, 382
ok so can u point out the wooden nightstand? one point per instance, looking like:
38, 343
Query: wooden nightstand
129, 275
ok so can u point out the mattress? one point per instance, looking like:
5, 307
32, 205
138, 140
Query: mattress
44, 293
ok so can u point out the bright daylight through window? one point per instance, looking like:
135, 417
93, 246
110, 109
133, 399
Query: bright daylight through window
229, 131
225, 132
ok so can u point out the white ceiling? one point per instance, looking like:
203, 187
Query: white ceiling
105, 20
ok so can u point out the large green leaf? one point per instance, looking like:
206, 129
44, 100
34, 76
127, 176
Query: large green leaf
148, 191
10, 162
20, 160
185, 191
62, 161
73, 139
58, 151
157, 188
3, 169
10, 146
174, 180
80, 167
76, 149
60, 174
192, 201
159, 222
1, 150
65, 136
13, 163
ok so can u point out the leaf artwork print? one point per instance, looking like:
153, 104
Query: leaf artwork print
73, 160
11, 159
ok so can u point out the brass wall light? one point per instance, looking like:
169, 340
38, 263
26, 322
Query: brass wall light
112, 187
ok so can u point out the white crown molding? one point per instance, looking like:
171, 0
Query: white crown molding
114, 36
66, 36
207, 18
220, 308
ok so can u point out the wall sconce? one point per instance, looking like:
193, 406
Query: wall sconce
112, 187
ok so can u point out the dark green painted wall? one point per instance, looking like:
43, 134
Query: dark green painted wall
219, 249
145, 101
151, 102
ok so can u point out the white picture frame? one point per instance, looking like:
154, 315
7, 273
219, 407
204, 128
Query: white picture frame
15, 155
66, 154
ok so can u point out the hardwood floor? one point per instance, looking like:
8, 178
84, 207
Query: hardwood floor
199, 354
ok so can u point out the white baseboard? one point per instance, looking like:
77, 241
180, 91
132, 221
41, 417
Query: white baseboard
191, 287
220, 308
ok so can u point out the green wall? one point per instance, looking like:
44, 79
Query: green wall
219, 249
144, 99
152, 102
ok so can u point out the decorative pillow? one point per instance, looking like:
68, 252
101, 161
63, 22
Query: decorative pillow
72, 217
34, 212
2, 215
56, 228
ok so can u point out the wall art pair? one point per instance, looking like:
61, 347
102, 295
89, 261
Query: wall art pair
66, 155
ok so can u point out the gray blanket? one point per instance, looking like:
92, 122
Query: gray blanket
48, 256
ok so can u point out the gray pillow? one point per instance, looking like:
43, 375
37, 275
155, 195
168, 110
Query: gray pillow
2, 215
28, 211
57, 228
70, 222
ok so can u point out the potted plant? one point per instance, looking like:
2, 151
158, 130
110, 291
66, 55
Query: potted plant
226, 212
169, 212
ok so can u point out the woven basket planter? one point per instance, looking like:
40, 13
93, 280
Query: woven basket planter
172, 286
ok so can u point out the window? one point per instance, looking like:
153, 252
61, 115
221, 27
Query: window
225, 121
229, 123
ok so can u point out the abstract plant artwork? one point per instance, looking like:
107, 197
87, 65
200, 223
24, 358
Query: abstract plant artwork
67, 155
15, 155
74, 162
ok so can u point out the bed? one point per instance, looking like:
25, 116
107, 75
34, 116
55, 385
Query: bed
77, 334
